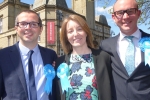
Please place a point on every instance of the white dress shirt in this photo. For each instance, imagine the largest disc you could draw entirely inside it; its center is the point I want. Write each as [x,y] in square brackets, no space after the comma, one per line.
[37,61]
[122,45]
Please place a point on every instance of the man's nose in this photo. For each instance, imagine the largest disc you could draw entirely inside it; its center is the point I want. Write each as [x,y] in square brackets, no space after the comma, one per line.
[28,25]
[125,15]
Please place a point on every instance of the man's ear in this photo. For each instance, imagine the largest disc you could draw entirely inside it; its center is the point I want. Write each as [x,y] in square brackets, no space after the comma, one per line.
[139,13]
[16,28]
[113,17]
[41,30]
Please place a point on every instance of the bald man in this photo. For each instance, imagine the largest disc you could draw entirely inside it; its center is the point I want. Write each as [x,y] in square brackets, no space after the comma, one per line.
[130,74]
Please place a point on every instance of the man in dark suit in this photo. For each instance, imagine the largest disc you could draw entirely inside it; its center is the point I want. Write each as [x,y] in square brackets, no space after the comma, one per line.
[15,72]
[133,84]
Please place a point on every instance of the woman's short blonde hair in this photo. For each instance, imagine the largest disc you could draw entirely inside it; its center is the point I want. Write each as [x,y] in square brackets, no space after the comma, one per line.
[67,47]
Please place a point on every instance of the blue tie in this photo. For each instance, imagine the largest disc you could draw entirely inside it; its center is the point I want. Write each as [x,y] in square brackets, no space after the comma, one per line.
[32,88]
[130,56]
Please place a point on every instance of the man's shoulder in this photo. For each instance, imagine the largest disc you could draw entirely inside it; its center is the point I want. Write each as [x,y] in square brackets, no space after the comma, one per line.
[144,34]
[46,49]
[143,31]
[4,52]
[112,38]
[109,41]
[7,48]
[47,52]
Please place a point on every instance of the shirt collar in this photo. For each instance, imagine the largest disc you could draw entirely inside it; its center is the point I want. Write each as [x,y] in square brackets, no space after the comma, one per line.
[136,34]
[24,50]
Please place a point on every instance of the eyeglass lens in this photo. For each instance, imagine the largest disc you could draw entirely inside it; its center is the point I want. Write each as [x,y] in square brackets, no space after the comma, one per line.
[120,13]
[31,24]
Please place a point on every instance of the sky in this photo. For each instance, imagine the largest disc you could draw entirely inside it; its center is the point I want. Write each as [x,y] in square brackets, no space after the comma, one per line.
[99,11]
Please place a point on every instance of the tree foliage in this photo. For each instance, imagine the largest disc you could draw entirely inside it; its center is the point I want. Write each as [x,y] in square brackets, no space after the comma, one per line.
[144,6]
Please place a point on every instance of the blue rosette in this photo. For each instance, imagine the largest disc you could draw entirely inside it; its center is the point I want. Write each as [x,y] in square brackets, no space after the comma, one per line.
[50,74]
[144,45]
[62,73]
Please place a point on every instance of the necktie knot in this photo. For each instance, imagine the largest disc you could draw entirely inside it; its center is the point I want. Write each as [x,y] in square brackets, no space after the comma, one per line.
[129,38]
[31,52]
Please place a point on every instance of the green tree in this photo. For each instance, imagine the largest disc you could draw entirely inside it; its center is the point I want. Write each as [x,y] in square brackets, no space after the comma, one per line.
[144,6]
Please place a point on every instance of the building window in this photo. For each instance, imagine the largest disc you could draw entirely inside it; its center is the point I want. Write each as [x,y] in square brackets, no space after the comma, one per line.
[1,25]
[96,27]
[108,31]
[105,30]
[14,38]
[100,29]
[9,39]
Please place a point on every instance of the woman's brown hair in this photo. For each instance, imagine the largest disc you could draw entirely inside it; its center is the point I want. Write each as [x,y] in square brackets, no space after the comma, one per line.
[67,47]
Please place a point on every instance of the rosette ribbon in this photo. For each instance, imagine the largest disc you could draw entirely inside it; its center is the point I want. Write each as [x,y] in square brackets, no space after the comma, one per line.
[50,74]
[62,73]
[144,45]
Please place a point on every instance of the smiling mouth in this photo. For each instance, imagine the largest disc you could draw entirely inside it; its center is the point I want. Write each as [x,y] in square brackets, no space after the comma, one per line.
[28,35]
[127,23]
[76,40]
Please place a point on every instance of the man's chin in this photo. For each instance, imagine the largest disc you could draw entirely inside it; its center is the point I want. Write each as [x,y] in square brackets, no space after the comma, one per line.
[126,28]
[127,31]
[28,40]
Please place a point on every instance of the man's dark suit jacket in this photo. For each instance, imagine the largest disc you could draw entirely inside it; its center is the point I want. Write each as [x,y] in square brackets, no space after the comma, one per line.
[12,78]
[101,64]
[124,87]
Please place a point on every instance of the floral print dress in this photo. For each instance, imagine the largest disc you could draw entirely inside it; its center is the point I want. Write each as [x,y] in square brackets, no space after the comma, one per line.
[82,78]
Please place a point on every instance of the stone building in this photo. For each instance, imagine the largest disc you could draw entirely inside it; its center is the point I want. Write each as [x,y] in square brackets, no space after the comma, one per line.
[52,13]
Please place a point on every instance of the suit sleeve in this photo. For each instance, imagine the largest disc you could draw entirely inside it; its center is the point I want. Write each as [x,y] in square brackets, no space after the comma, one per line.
[55,56]
[1,78]
[103,74]
[1,84]
[101,45]
[57,93]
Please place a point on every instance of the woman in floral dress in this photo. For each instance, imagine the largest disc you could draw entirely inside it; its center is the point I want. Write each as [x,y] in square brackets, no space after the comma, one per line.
[83,73]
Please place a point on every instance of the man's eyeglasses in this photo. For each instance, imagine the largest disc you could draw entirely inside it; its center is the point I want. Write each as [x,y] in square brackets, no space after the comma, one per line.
[120,13]
[31,24]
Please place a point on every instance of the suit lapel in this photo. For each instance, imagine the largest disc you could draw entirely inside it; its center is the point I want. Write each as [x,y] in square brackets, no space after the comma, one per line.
[46,56]
[119,67]
[43,55]
[17,64]
[143,35]
[141,67]
[142,53]
[46,60]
